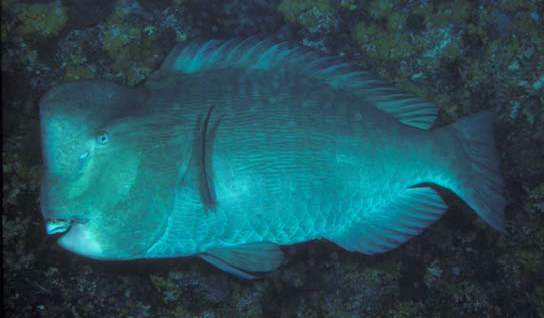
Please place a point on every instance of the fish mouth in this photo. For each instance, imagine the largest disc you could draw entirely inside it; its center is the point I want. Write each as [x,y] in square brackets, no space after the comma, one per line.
[55,226]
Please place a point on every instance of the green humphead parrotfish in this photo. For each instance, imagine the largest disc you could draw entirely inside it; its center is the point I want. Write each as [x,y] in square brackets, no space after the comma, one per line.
[234,148]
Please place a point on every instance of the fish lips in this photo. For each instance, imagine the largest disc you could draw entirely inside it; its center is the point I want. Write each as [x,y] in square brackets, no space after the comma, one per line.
[81,240]
[61,225]
[55,226]
[75,233]
[76,237]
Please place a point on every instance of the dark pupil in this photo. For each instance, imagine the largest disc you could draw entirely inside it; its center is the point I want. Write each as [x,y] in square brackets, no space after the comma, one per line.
[103,138]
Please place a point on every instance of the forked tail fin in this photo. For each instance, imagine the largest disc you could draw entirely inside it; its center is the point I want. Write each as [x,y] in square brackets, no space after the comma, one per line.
[485,186]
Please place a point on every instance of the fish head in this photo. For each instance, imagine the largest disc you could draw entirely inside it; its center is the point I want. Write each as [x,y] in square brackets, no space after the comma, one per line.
[92,159]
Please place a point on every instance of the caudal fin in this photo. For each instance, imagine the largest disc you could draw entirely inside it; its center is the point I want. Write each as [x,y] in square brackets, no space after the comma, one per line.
[484,188]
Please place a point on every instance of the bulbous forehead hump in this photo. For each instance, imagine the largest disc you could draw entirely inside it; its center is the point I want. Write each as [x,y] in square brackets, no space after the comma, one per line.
[84,97]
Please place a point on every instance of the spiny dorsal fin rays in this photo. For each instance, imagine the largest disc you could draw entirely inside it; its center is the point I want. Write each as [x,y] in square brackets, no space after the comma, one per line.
[254,53]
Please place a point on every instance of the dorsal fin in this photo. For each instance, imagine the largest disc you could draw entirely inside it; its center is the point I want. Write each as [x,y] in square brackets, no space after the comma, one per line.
[254,53]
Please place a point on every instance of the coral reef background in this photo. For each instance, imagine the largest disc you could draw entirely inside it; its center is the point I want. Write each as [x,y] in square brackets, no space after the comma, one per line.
[463,55]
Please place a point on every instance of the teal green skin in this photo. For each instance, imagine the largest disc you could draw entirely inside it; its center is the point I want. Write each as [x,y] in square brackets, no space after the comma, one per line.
[287,159]
[294,160]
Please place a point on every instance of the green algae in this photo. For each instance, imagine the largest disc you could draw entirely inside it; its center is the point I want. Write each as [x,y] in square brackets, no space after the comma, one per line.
[308,13]
[406,309]
[443,14]
[75,72]
[43,19]
[132,48]
[386,36]
[384,43]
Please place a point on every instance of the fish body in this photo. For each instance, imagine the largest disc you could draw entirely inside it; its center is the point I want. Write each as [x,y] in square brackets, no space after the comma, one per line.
[234,148]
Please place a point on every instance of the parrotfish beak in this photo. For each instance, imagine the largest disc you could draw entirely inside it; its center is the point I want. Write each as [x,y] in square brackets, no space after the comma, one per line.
[57,226]
[80,240]
[76,236]
[52,225]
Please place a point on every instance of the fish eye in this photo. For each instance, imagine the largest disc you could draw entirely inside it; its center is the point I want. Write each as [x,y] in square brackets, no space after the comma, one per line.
[103,137]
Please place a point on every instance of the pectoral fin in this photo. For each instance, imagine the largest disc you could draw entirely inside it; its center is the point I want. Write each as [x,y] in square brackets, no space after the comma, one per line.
[198,174]
[240,259]
[202,160]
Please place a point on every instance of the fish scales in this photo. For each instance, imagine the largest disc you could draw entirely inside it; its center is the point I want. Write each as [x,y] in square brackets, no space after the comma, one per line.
[236,147]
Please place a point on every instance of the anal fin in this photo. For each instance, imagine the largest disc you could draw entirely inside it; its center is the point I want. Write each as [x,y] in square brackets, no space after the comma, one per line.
[395,223]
